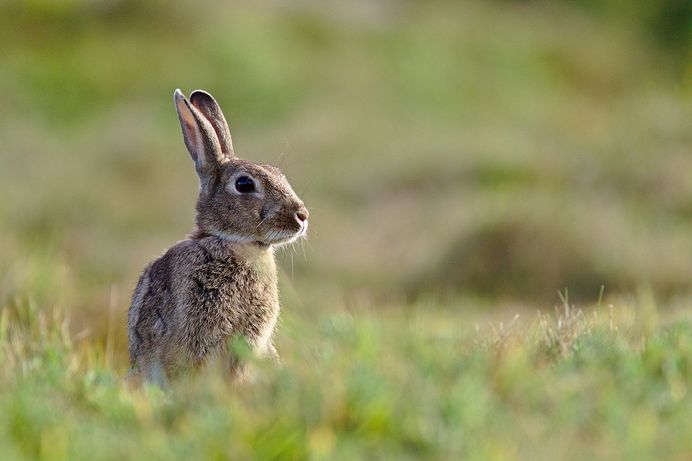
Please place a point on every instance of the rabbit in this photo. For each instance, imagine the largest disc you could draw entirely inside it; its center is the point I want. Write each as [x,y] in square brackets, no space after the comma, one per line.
[221,282]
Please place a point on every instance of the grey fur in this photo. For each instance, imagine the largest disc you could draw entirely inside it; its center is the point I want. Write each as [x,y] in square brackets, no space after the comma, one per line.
[219,283]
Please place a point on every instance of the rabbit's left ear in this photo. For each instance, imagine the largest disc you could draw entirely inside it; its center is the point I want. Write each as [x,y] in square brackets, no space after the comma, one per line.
[200,139]
[211,110]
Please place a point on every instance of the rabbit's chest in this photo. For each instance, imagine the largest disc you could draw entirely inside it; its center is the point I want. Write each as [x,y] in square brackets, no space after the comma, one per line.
[241,297]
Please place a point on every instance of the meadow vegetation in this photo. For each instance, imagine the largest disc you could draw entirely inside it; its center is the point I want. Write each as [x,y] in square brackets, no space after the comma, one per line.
[463,162]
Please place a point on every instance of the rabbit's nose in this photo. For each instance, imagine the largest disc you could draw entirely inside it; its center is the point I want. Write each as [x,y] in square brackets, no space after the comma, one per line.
[302,215]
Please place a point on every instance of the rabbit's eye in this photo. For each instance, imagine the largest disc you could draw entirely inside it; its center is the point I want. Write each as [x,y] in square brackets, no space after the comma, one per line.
[245,185]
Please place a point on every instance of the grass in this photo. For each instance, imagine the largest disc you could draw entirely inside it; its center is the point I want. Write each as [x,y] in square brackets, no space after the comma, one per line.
[600,383]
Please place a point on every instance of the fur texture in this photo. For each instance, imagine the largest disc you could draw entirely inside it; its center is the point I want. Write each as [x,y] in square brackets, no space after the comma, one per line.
[221,282]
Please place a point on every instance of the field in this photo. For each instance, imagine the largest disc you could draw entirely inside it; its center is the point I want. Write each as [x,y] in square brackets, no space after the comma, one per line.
[602,383]
[499,262]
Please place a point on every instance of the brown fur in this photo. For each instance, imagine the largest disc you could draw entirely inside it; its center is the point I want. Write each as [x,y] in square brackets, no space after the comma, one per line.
[221,282]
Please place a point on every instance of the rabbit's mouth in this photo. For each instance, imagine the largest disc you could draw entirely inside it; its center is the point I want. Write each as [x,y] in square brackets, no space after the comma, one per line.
[284,237]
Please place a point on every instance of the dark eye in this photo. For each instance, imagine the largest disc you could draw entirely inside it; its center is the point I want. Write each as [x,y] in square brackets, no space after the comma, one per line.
[245,185]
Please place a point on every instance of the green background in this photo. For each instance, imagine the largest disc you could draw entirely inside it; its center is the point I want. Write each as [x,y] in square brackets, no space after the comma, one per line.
[462,162]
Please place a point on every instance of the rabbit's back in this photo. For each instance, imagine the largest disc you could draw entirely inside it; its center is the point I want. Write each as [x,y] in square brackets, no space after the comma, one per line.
[190,301]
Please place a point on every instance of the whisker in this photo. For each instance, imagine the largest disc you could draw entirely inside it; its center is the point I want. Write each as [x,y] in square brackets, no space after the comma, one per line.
[302,246]
[280,159]
[305,189]
[260,223]
[309,244]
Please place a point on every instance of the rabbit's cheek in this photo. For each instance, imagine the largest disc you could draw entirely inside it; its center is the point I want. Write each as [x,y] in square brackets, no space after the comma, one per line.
[268,212]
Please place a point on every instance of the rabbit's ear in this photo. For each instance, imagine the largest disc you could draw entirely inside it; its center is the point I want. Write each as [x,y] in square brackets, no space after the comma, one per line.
[200,137]
[208,106]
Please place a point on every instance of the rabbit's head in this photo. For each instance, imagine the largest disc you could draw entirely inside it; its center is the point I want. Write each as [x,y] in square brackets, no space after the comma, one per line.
[239,201]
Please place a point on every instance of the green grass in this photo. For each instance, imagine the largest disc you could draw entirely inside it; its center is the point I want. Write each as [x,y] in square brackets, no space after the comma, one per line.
[603,383]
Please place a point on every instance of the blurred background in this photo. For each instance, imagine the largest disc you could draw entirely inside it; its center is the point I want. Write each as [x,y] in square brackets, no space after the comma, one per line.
[466,154]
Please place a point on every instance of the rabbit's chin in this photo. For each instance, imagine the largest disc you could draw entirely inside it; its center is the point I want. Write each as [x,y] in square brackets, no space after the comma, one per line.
[271,238]
[282,237]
